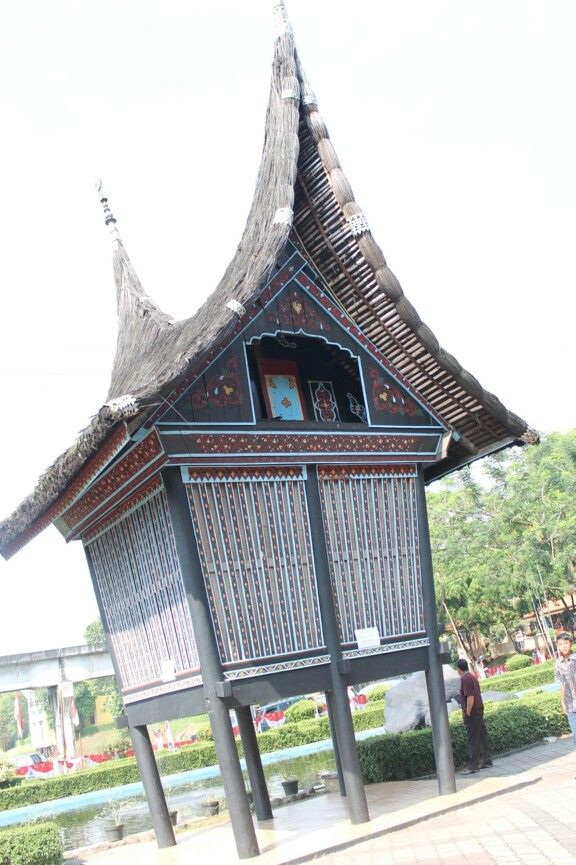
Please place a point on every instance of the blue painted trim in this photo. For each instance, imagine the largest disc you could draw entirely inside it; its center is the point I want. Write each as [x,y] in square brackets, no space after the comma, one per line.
[308,455]
[139,435]
[426,431]
[211,480]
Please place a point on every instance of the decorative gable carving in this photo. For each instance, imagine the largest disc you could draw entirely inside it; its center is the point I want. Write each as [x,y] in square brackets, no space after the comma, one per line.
[291,311]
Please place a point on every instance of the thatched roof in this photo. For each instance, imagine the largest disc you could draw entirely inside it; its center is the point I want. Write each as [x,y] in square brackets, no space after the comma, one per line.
[301,193]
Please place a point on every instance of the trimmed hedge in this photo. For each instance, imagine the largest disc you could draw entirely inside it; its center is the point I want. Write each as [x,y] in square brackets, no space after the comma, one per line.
[378,693]
[301,711]
[118,772]
[518,662]
[100,778]
[395,757]
[521,680]
[37,844]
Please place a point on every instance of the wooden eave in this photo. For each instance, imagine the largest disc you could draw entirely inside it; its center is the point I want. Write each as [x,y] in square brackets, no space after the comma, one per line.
[355,270]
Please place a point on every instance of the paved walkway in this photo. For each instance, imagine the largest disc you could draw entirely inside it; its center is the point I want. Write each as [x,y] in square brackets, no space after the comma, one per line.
[521,811]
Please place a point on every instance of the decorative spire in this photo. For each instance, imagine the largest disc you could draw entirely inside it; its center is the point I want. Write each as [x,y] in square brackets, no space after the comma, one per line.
[109,218]
[281,18]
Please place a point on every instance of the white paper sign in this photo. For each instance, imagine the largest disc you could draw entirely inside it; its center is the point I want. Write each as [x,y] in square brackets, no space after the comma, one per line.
[367,638]
[168,668]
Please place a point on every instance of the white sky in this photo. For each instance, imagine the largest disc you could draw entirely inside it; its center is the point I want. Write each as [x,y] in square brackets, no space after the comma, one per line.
[453,120]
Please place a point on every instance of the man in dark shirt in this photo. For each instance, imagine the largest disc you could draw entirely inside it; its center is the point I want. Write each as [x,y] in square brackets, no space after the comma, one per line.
[473,714]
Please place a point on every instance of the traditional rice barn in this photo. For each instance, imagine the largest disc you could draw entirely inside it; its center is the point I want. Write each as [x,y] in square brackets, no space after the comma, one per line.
[251,495]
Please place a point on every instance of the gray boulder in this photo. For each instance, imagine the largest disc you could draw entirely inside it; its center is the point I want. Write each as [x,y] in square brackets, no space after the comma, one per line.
[406,703]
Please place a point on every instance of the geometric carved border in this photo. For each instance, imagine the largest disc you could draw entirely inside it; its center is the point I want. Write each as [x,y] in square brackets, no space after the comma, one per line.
[387,648]
[281,667]
[158,690]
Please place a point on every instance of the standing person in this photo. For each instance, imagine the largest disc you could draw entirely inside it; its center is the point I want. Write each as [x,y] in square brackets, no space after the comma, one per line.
[473,714]
[566,675]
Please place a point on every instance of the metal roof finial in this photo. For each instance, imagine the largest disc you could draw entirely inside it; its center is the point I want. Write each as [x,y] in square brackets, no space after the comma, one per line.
[109,218]
[281,18]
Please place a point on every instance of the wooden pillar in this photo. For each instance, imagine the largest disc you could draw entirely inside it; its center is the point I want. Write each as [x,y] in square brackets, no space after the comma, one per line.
[150,775]
[441,738]
[337,761]
[342,716]
[262,806]
[210,665]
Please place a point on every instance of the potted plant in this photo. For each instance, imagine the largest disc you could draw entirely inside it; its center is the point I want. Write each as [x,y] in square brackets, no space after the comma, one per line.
[290,785]
[210,806]
[112,813]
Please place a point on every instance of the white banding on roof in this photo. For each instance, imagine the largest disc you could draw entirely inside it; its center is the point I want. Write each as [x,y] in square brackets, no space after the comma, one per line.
[357,223]
[283,216]
[236,307]
[308,96]
[125,405]
[290,93]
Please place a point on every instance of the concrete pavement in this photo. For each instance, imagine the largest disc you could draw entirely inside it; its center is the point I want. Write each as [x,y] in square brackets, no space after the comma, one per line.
[521,811]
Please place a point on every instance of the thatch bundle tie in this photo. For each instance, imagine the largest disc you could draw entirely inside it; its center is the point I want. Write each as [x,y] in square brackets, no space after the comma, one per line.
[290,93]
[283,216]
[308,95]
[358,224]
[123,405]
[236,307]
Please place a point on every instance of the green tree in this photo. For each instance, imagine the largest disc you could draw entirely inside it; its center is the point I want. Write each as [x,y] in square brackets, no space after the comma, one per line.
[537,521]
[500,548]
[94,633]
[8,729]
[461,527]
[85,693]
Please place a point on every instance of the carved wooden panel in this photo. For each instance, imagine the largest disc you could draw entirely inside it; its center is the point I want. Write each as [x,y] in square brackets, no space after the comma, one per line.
[254,538]
[139,581]
[372,536]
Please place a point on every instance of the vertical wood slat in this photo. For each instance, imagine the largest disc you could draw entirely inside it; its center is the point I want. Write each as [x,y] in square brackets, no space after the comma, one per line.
[372,536]
[253,539]
[143,595]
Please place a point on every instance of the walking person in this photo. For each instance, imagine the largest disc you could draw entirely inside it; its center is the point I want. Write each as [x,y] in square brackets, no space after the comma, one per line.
[566,675]
[473,714]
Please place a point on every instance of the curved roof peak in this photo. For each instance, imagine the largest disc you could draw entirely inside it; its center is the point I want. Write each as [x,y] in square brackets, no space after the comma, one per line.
[140,320]
[281,18]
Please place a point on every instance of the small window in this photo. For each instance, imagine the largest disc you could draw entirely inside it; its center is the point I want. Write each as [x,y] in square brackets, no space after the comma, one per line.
[297,378]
